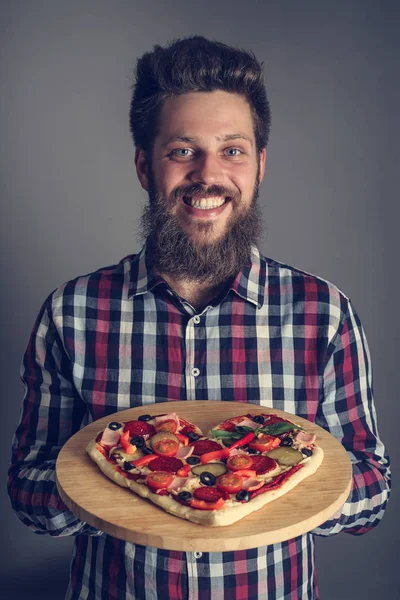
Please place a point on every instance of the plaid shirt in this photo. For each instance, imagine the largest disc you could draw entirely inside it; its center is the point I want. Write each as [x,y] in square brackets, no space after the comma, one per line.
[120,338]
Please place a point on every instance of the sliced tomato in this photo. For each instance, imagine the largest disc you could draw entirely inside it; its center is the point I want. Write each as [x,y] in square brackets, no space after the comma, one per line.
[159,480]
[166,447]
[239,461]
[168,425]
[265,443]
[207,493]
[229,482]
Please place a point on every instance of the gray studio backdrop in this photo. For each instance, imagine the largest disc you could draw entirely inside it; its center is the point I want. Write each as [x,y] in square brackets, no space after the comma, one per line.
[71,202]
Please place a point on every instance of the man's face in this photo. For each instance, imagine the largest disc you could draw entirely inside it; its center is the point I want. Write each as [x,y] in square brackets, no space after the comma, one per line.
[205,170]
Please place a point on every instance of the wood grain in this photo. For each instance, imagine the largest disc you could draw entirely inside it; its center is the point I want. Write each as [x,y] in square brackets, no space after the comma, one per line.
[121,513]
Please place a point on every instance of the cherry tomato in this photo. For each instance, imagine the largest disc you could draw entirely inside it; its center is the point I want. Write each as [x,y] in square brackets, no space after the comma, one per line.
[237,462]
[159,480]
[166,447]
[168,425]
[229,482]
[265,443]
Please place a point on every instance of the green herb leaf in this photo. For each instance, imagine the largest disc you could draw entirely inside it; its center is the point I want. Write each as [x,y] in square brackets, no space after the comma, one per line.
[278,428]
[243,429]
[220,433]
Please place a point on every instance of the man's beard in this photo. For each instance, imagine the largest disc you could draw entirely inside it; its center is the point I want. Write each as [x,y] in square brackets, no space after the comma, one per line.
[172,252]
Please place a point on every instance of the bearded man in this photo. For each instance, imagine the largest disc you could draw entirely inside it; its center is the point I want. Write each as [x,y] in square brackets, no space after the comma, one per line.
[198,314]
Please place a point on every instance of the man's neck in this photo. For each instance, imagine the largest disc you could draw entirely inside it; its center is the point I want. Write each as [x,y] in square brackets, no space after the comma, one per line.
[198,294]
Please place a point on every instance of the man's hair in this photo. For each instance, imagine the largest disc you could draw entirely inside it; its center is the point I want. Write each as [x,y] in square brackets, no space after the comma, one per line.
[195,64]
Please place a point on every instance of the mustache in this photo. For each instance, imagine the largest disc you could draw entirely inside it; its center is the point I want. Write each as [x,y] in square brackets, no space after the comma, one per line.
[198,190]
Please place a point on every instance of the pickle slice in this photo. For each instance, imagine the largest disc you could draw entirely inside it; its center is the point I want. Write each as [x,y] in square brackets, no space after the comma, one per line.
[216,469]
[286,456]
[118,453]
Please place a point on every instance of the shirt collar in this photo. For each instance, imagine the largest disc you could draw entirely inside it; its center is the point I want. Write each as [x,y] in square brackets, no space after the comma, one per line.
[249,283]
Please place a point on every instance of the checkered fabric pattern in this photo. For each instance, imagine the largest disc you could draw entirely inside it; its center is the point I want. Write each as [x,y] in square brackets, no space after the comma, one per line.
[121,338]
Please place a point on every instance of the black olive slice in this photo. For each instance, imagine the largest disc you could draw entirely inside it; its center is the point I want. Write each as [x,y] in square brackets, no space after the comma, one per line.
[114,426]
[128,466]
[287,441]
[193,460]
[138,441]
[193,436]
[145,418]
[185,496]
[207,478]
[146,450]
[243,496]
[307,451]
[258,419]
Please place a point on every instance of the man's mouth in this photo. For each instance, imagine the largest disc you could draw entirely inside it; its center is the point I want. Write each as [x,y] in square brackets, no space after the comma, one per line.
[205,203]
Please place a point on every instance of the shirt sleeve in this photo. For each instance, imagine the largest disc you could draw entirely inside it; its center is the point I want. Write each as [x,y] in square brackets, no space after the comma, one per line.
[51,412]
[347,411]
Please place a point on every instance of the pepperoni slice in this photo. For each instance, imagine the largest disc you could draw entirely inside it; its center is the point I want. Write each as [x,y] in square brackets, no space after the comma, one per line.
[208,494]
[165,463]
[263,464]
[186,426]
[139,428]
[275,483]
[204,446]
[230,424]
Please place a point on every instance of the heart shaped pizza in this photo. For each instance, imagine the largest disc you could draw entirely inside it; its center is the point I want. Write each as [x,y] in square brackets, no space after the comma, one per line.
[216,479]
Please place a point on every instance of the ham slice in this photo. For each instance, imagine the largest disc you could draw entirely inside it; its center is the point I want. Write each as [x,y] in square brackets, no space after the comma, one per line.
[170,417]
[305,438]
[250,483]
[177,483]
[246,422]
[184,451]
[110,438]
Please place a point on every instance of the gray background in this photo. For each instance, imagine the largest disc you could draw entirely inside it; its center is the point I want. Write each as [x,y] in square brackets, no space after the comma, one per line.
[71,201]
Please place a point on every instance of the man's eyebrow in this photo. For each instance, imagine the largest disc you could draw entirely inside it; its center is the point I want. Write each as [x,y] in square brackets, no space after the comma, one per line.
[235,136]
[224,138]
[179,138]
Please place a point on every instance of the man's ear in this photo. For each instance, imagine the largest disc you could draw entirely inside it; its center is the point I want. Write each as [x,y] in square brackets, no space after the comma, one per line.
[142,168]
[263,156]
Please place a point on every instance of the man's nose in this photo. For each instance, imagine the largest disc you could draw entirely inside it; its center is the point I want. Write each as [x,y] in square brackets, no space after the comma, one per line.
[206,170]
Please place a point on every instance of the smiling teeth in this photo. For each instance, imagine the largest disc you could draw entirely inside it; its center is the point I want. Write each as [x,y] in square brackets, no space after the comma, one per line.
[207,203]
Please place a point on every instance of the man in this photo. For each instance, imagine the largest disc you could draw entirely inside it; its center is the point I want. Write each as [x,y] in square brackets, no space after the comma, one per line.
[198,314]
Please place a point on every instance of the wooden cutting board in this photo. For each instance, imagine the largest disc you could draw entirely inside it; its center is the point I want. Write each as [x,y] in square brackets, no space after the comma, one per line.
[121,513]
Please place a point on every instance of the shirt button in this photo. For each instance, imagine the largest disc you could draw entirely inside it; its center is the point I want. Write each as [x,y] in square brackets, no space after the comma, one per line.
[196,319]
[195,372]
[197,554]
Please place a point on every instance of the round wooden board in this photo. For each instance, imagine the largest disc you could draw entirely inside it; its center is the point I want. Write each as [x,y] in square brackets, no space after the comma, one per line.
[121,513]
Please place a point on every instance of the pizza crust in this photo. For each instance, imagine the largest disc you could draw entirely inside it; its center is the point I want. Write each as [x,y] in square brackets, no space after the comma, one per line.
[225,516]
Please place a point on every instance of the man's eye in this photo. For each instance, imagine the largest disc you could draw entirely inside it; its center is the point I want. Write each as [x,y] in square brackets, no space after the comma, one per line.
[233,152]
[181,152]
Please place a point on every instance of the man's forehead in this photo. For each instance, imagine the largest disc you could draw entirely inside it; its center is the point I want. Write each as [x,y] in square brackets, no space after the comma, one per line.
[219,138]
